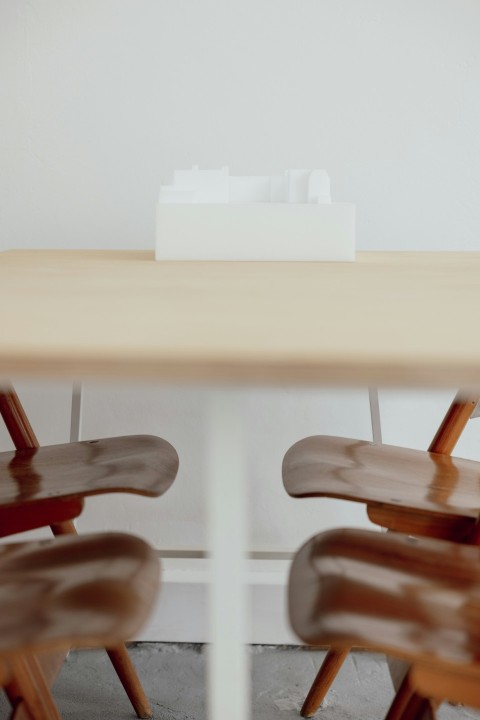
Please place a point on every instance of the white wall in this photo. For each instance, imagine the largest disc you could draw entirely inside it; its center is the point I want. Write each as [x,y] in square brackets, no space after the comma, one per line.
[101,99]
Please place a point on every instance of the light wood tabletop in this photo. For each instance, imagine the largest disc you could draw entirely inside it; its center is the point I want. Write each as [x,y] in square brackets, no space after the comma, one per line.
[388,318]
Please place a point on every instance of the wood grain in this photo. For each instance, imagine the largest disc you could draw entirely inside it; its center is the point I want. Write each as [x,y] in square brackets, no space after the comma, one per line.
[93,590]
[361,471]
[140,464]
[416,598]
[76,591]
[84,313]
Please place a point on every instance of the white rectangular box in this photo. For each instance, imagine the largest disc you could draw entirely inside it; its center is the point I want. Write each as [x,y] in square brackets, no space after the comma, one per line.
[263,231]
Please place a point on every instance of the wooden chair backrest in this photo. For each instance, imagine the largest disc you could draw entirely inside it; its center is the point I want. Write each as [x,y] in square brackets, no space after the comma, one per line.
[23,438]
[453,424]
[16,420]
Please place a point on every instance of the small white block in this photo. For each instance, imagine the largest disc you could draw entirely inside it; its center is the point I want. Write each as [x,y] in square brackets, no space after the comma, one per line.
[264,231]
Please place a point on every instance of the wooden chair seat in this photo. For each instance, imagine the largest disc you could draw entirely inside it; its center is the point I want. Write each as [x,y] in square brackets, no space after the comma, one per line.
[324,466]
[415,598]
[46,485]
[94,590]
[140,464]
[74,591]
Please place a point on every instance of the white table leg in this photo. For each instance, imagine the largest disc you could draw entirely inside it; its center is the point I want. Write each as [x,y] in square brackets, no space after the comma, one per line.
[76,412]
[228,667]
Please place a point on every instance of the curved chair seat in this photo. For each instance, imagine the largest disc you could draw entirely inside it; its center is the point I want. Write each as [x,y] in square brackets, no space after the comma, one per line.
[77,591]
[95,590]
[324,466]
[415,598]
[140,464]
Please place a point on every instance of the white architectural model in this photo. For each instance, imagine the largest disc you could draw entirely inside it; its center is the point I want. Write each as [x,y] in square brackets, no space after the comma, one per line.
[218,186]
[210,215]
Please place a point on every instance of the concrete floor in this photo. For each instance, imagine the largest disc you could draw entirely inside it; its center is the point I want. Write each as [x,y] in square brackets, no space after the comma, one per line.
[174,678]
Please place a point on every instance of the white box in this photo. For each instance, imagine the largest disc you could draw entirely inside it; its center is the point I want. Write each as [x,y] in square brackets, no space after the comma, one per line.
[258,231]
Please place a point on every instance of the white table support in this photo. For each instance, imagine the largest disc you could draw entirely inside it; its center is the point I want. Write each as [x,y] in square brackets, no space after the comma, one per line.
[76,412]
[375,416]
[228,667]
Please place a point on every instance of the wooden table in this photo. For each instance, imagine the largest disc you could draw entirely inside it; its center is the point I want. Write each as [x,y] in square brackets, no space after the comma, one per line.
[395,319]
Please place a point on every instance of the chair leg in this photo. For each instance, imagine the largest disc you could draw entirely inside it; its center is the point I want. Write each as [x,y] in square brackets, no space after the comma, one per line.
[325,677]
[401,700]
[50,665]
[126,672]
[408,704]
[119,656]
[29,687]
[420,708]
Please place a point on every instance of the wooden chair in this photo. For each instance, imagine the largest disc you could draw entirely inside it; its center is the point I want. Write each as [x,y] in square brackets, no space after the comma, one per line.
[93,591]
[416,492]
[47,486]
[414,598]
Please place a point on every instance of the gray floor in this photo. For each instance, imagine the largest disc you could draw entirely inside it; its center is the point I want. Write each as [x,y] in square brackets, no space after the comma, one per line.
[173,676]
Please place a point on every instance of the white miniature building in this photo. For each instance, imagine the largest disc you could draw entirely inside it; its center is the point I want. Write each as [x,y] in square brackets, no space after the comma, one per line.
[218,186]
